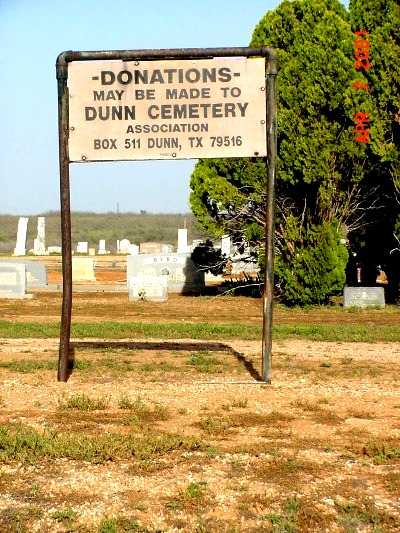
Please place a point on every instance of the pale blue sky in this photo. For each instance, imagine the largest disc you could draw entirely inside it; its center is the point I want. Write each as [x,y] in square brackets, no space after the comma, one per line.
[33,33]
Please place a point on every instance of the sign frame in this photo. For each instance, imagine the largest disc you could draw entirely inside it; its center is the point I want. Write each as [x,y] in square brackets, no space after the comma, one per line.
[62,67]
[167,109]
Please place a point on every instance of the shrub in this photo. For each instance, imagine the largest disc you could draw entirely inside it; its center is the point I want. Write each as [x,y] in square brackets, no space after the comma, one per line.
[312,266]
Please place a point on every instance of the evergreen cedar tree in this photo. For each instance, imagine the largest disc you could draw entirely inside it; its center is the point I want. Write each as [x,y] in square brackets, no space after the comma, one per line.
[329,186]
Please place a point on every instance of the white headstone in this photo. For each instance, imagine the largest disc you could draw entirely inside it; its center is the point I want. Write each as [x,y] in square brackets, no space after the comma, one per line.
[363,297]
[181,273]
[183,247]
[20,247]
[124,245]
[36,273]
[134,249]
[39,244]
[54,250]
[82,248]
[226,245]
[102,247]
[148,288]
[197,242]
[167,249]
[83,269]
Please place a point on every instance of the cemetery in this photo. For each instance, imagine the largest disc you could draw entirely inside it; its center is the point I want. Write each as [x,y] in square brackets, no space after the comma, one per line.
[165,409]
[95,268]
[167,404]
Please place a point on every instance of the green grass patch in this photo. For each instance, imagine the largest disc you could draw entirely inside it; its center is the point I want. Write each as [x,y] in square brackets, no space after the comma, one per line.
[83,402]
[334,333]
[17,519]
[353,517]
[64,515]
[162,366]
[117,524]
[194,492]
[26,445]
[214,425]
[117,365]
[205,331]
[141,412]
[204,362]
[25,366]
[381,451]
[285,521]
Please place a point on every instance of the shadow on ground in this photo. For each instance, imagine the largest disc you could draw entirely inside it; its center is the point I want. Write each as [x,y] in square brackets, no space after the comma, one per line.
[160,345]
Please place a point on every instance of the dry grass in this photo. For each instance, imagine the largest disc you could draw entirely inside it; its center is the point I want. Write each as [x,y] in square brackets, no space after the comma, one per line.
[119,450]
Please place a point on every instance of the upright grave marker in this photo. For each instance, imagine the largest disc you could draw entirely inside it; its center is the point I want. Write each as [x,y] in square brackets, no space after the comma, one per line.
[178,269]
[35,273]
[20,246]
[13,280]
[83,269]
[166,104]
[39,244]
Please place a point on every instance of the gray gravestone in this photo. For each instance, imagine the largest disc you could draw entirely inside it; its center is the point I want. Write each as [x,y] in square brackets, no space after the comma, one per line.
[13,280]
[363,297]
[148,288]
[36,273]
[181,273]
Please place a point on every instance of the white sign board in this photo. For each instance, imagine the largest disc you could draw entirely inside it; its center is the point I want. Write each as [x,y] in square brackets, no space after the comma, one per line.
[168,109]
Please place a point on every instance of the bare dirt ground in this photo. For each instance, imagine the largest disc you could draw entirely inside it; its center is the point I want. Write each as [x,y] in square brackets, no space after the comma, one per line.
[209,449]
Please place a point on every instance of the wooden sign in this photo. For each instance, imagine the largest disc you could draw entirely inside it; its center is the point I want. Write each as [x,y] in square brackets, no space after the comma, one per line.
[168,109]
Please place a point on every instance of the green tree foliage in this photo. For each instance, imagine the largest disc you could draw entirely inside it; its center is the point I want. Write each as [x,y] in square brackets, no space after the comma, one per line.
[381,19]
[208,258]
[228,195]
[325,178]
[320,166]
[314,268]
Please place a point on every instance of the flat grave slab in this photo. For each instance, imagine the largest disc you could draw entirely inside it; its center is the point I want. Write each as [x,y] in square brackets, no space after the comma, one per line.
[363,297]
[148,288]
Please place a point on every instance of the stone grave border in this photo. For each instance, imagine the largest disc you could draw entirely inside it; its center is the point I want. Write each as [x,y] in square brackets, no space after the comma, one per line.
[63,61]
